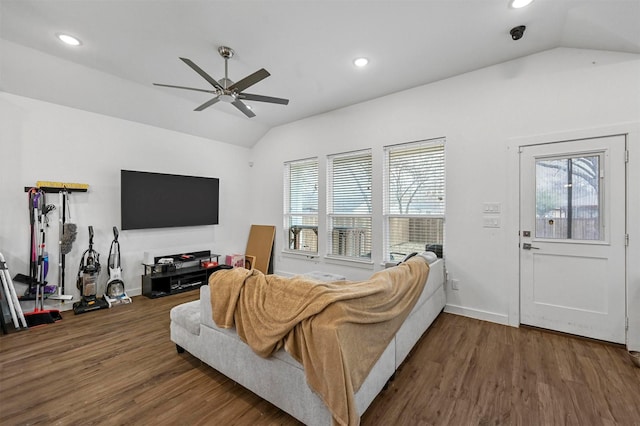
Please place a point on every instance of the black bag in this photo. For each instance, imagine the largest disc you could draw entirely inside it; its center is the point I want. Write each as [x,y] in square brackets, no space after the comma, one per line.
[436,248]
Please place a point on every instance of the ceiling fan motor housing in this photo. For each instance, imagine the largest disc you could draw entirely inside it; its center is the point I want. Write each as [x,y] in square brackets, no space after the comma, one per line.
[225,82]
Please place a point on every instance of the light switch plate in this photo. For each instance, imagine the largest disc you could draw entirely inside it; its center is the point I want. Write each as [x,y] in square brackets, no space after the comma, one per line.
[491,222]
[491,208]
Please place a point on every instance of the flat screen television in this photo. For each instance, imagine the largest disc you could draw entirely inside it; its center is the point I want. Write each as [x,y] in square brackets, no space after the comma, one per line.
[159,200]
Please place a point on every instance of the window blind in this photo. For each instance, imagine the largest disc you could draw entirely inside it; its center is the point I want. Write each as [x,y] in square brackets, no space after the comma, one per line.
[350,183]
[301,205]
[414,197]
[349,204]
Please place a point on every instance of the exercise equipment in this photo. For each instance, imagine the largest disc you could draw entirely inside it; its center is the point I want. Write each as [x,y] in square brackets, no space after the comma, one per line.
[11,297]
[66,236]
[87,282]
[115,293]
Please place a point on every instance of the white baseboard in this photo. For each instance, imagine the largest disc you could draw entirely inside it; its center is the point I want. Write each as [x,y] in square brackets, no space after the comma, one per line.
[134,292]
[477,314]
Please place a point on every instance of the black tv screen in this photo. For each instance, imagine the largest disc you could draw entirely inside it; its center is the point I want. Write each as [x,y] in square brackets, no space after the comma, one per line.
[158,200]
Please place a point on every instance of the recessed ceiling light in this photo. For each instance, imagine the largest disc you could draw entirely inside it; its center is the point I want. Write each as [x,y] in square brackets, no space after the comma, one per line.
[517,4]
[360,62]
[68,39]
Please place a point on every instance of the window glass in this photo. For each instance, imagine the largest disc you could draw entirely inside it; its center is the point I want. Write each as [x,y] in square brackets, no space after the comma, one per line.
[568,198]
[414,197]
[349,205]
[301,205]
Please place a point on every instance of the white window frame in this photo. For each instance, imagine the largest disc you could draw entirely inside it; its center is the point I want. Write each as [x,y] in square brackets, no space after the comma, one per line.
[352,242]
[388,215]
[308,221]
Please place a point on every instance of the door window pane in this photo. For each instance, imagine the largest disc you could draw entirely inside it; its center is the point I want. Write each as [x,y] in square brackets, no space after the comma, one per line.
[568,198]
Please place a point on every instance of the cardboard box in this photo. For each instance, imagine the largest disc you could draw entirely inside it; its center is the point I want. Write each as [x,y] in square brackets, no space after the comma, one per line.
[249,261]
[235,260]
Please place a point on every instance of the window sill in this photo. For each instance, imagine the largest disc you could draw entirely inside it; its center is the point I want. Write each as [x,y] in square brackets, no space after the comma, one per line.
[335,260]
[389,263]
[299,255]
[355,263]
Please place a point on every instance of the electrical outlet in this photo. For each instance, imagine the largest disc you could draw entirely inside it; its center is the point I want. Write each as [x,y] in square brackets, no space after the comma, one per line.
[455,284]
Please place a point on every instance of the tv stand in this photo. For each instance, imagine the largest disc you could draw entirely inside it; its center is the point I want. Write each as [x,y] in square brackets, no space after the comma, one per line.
[185,273]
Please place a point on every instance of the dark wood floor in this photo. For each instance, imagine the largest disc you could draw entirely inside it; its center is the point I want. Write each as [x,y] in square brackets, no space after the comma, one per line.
[118,366]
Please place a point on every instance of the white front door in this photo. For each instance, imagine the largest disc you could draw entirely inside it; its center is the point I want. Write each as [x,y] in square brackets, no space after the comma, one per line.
[572,237]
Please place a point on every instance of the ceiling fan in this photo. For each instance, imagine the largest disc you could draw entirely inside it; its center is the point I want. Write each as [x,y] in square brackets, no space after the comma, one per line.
[226,90]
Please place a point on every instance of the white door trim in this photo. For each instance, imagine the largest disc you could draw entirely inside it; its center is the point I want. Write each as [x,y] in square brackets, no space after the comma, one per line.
[512,226]
[589,297]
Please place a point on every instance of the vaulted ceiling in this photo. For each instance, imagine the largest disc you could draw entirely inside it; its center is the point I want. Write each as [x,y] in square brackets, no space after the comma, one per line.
[308,46]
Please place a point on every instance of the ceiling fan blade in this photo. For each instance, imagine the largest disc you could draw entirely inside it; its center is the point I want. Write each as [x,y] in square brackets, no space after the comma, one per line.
[260,98]
[182,87]
[242,107]
[208,103]
[250,80]
[203,74]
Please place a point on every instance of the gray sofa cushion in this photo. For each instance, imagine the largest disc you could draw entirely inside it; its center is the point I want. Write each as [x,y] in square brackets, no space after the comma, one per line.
[187,315]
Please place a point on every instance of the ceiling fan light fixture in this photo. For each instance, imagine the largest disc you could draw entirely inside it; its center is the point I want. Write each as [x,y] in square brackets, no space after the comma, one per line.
[517,4]
[69,39]
[360,62]
[228,97]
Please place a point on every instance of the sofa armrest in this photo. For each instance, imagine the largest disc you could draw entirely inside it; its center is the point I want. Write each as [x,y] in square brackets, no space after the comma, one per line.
[206,314]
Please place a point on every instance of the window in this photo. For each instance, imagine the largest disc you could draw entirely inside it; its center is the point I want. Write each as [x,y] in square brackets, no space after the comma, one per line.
[413,197]
[568,198]
[301,205]
[349,205]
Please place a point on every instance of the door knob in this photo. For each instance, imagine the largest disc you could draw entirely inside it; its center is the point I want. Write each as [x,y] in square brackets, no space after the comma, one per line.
[528,246]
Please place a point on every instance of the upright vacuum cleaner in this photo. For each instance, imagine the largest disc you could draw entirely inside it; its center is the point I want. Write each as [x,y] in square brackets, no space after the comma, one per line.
[87,283]
[115,293]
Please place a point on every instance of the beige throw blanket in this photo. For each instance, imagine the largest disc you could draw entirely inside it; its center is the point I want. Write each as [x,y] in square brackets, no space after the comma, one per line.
[336,330]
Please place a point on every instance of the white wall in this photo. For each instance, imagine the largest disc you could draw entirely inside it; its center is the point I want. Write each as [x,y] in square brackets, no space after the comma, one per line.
[44,141]
[67,83]
[480,114]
